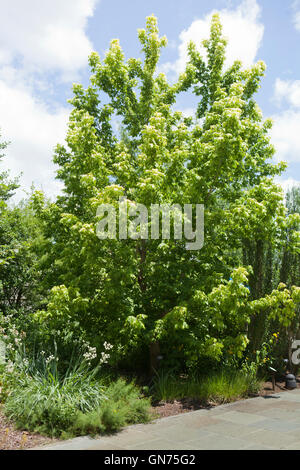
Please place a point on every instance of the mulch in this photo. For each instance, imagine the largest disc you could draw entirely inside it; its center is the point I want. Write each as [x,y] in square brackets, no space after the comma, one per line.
[14,439]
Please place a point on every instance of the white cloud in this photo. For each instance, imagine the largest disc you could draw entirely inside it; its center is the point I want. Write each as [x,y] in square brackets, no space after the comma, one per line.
[46,35]
[288,90]
[33,132]
[41,41]
[287,184]
[296,20]
[241,27]
[188,112]
[285,132]
[286,136]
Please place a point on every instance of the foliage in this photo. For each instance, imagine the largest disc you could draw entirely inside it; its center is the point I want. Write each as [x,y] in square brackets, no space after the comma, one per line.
[38,398]
[15,261]
[151,297]
[290,266]
[7,187]
[42,400]
[124,406]
[218,386]
[210,317]
[19,276]
[40,394]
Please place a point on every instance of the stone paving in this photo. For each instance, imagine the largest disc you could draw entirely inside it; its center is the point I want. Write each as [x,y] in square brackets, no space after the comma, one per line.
[262,423]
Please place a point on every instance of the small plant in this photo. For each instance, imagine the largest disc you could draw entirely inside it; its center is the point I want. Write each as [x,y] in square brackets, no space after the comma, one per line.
[124,406]
[43,400]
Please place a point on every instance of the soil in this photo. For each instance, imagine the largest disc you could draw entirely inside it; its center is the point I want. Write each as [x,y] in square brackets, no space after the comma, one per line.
[13,439]
[164,409]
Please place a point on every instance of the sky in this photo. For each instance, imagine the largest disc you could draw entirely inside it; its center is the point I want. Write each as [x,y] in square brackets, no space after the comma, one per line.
[44,49]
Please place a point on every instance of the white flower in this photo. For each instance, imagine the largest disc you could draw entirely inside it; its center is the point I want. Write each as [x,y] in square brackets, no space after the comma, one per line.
[107,346]
[9,367]
[90,354]
[50,358]
[104,358]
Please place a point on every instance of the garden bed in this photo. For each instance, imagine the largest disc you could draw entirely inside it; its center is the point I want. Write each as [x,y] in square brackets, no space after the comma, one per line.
[163,409]
[14,439]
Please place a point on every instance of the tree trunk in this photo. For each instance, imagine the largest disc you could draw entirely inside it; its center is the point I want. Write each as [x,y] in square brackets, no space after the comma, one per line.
[154,347]
[258,269]
[257,326]
[154,352]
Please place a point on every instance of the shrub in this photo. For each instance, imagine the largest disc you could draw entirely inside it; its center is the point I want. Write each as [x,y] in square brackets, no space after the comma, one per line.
[42,400]
[123,406]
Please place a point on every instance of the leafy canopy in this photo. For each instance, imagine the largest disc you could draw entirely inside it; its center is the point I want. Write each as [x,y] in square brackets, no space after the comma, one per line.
[137,293]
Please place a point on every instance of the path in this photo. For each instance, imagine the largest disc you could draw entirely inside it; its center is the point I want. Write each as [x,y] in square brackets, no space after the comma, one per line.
[271,422]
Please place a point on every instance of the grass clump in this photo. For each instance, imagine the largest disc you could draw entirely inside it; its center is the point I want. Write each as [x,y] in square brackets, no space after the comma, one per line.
[219,387]
[45,402]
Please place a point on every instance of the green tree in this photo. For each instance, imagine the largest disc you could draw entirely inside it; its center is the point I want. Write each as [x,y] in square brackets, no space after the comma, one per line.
[138,294]
[290,266]
[289,263]
[18,233]
[7,187]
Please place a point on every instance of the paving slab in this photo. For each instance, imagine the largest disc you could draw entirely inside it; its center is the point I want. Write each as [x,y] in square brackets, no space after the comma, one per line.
[294,446]
[230,429]
[266,423]
[274,439]
[281,414]
[241,418]
[280,425]
[160,444]
[217,442]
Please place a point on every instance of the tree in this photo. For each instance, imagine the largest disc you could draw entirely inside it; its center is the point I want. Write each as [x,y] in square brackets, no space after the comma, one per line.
[19,236]
[289,261]
[290,266]
[138,294]
[6,187]
[18,232]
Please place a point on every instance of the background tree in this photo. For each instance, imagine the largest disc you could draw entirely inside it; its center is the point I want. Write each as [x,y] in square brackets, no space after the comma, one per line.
[19,230]
[7,186]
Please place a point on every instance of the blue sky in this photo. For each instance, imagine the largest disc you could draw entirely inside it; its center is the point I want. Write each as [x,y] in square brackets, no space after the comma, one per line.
[44,48]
